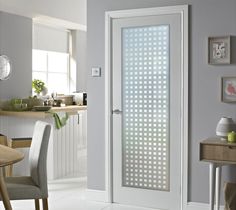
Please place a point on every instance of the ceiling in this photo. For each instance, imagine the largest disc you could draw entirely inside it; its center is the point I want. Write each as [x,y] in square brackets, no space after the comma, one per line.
[71,15]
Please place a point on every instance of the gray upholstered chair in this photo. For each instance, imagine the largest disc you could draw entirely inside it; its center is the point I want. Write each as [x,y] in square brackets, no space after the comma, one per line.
[35,185]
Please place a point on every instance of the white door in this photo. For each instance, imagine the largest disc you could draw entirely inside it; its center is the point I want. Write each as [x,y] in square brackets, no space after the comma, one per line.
[146,103]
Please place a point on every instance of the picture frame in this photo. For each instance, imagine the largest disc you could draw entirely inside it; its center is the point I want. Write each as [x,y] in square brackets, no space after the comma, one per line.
[219,50]
[228,89]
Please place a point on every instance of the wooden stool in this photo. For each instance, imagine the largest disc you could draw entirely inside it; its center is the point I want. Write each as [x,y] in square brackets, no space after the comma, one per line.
[17,143]
[3,140]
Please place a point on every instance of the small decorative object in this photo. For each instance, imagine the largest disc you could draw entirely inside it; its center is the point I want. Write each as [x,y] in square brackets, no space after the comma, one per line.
[232,137]
[224,126]
[219,51]
[38,86]
[228,89]
[44,91]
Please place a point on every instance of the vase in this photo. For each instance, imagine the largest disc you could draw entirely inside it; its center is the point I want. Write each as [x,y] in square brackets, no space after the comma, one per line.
[44,91]
[224,126]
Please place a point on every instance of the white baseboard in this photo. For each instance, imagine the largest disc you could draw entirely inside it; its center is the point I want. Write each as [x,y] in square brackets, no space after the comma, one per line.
[97,195]
[199,206]
[101,196]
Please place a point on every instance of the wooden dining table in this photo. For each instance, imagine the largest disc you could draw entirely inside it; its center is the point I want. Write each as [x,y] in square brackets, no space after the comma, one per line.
[8,156]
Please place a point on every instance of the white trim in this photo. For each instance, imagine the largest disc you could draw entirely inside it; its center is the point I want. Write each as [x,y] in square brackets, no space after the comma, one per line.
[58,23]
[122,206]
[199,206]
[183,11]
[108,150]
[180,9]
[96,195]
[184,146]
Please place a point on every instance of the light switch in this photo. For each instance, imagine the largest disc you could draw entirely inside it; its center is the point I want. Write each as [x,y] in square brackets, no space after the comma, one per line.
[96,72]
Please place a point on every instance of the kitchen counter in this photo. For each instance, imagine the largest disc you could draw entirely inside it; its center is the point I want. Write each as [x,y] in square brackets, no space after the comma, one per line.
[71,110]
[66,147]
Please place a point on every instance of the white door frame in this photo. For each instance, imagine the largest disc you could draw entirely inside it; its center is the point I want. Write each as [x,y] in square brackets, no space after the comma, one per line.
[109,16]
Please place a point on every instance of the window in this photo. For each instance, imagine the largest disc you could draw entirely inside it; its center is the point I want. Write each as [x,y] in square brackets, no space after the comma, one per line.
[52,68]
[53,58]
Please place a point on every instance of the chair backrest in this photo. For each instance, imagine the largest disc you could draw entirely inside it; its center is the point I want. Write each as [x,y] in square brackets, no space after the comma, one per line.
[38,155]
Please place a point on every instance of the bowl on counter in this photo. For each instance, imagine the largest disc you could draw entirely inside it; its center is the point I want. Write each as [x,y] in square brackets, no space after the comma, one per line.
[32,102]
[42,108]
[25,104]
[20,107]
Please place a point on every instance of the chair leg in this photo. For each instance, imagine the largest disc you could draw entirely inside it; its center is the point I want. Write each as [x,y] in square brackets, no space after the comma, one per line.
[8,170]
[45,204]
[36,202]
[3,192]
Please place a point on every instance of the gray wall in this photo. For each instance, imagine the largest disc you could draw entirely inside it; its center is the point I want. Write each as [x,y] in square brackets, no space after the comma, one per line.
[16,43]
[207,18]
[81,58]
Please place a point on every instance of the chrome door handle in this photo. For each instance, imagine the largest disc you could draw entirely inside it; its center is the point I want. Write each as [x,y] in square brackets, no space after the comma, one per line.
[116,111]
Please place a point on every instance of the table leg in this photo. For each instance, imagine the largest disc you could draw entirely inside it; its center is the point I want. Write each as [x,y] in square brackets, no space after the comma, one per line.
[3,192]
[218,185]
[212,176]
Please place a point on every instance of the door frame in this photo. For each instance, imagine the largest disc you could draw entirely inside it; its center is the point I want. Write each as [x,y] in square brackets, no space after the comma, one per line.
[182,10]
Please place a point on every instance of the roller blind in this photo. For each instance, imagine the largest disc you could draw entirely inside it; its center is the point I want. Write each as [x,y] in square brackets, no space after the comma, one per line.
[50,39]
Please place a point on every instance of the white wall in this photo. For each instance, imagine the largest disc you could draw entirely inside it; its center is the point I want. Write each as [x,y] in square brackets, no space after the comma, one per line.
[70,10]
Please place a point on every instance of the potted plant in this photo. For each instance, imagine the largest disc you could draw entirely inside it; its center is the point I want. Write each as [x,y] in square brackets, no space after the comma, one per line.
[38,86]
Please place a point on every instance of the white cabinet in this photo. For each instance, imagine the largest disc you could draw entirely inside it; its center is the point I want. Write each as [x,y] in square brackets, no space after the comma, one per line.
[67,152]
[69,148]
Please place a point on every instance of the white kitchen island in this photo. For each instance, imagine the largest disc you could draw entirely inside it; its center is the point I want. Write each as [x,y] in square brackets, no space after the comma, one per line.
[67,146]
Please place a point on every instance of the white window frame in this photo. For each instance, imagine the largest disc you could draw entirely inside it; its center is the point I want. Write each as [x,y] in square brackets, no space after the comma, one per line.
[47,68]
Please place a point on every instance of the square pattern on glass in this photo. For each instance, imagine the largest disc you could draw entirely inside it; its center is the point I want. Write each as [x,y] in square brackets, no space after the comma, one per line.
[145,140]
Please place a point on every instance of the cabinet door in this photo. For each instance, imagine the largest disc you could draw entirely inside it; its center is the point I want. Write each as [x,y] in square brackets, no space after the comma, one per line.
[70,147]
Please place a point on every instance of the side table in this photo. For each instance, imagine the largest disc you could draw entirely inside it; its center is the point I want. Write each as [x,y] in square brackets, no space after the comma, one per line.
[217,153]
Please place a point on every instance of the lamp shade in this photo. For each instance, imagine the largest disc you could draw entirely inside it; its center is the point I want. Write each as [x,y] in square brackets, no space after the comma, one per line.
[224,126]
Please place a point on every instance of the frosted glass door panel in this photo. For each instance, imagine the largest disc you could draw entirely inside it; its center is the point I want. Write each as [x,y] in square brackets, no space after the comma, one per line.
[146,107]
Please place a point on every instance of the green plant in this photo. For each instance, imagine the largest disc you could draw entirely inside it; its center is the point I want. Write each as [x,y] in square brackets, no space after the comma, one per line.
[38,85]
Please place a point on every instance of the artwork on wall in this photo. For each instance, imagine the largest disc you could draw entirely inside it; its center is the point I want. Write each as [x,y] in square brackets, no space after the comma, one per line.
[219,50]
[228,89]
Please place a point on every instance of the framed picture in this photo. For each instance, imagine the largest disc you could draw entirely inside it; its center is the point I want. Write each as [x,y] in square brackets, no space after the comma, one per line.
[228,89]
[219,51]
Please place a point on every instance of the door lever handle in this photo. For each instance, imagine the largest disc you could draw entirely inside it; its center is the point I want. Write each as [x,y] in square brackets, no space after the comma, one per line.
[116,111]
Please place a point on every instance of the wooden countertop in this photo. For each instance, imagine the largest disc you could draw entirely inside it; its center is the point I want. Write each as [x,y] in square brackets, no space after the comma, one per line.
[71,110]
